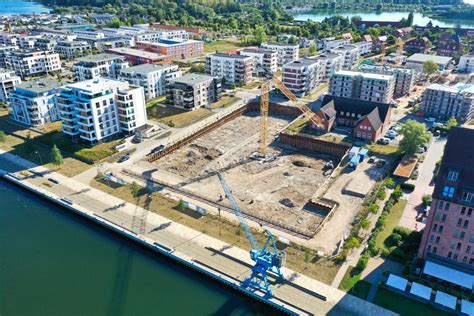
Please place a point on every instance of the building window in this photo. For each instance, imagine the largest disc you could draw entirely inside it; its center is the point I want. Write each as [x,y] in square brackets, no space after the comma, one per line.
[468,249]
[463,234]
[448,191]
[435,227]
[440,204]
[431,237]
[466,223]
[471,261]
[467,196]
[446,207]
[464,259]
[455,256]
[437,240]
[435,249]
[456,233]
[471,239]
[443,219]
[469,212]
[441,227]
[450,254]
[452,244]
[453,175]
[459,221]
[429,248]
[458,246]
[463,210]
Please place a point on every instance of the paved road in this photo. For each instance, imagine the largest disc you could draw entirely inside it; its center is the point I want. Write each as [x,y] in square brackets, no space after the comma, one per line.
[422,185]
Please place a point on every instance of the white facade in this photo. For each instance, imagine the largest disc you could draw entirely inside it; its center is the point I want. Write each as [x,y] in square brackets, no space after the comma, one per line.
[331,42]
[303,75]
[466,63]
[152,78]
[330,64]
[96,66]
[232,68]
[9,39]
[72,50]
[8,81]
[33,63]
[449,101]
[101,109]
[350,53]
[262,58]
[33,102]
[286,52]
[364,47]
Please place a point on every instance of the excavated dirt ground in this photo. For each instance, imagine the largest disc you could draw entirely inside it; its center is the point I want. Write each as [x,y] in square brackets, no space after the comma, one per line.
[275,190]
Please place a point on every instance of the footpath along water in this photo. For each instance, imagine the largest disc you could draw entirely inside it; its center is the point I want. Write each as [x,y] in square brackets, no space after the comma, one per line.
[54,263]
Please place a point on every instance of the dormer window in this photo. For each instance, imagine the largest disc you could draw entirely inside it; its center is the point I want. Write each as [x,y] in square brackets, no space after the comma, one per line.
[448,191]
[467,196]
[453,175]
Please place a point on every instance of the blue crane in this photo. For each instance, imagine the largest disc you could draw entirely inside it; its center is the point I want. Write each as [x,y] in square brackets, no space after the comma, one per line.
[266,258]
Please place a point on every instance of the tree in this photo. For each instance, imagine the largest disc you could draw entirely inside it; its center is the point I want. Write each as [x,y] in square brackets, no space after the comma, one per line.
[135,188]
[260,35]
[56,156]
[414,135]
[352,242]
[426,200]
[312,49]
[409,21]
[430,67]
[452,122]
[3,137]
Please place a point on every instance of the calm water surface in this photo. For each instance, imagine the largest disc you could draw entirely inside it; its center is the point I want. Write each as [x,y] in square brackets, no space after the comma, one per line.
[52,263]
[21,7]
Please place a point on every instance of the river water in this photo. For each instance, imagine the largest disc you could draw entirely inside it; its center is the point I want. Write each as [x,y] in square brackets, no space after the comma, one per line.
[21,7]
[418,18]
[55,263]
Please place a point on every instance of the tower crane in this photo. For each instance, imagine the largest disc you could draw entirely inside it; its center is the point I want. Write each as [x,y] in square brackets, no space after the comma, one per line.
[268,80]
[266,258]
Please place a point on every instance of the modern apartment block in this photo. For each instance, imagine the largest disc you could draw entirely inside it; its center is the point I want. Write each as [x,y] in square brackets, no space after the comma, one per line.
[364,86]
[232,68]
[152,78]
[33,102]
[350,53]
[72,49]
[466,63]
[447,245]
[262,59]
[302,75]
[9,39]
[8,81]
[5,55]
[364,47]
[137,56]
[99,110]
[404,78]
[330,64]
[101,65]
[174,49]
[329,43]
[28,63]
[193,91]
[286,52]
[449,101]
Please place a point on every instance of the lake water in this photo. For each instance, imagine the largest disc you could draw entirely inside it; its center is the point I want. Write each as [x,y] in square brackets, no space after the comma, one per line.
[418,18]
[21,7]
[54,263]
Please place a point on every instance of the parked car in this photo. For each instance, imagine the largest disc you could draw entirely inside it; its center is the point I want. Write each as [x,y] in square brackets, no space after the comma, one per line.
[136,140]
[124,158]
[437,132]
[53,180]
[396,128]
[381,163]
[383,141]
[391,134]
[371,159]
[157,149]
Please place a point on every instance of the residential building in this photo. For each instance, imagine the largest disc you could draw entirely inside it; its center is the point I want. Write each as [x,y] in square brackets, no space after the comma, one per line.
[329,43]
[449,45]
[28,63]
[449,101]
[72,49]
[100,65]
[193,91]
[404,78]
[232,68]
[33,102]
[286,52]
[403,32]
[364,47]
[303,75]
[306,42]
[174,49]
[98,110]
[137,56]
[350,53]
[5,55]
[446,245]
[466,63]
[193,32]
[8,81]
[152,78]
[27,41]
[262,59]
[416,61]
[9,39]
[330,64]
[379,43]
[48,44]
[368,120]
[417,45]
[364,86]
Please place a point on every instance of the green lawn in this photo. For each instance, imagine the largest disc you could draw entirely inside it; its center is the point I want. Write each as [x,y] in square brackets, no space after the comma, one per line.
[404,305]
[225,101]
[352,284]
[298,125]
[391,222]
[383,149]
[176,117]
[161,99]
[223,45]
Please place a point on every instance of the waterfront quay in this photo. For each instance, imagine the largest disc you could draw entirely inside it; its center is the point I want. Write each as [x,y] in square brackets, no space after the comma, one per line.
[229,265]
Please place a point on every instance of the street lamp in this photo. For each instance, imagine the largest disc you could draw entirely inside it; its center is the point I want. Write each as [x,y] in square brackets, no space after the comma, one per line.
[41,160]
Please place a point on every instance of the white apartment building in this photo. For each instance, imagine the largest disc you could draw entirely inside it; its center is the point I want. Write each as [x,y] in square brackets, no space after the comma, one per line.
[27,41]
[73,49]
[445,101]
[329,43]
[33,102]
[48,44]
[286,52]
[350,53]
[262,59]
[364,47]
[302,75]
[5,55]
[330,64]
[99,110]
[232,68]
[100,65]
[8,81]
[9,39]
[152,78]
[33,63]
[364,86]
[466,63]
[193,91]
[404,78]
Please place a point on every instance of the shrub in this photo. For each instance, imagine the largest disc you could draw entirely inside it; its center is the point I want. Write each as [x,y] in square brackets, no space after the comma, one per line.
[388,206]
[426,200]
[402,231]
[352,242]
[389,183]
[373,208]
[362,263]
[407,186]
[381,194]
[396,238]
